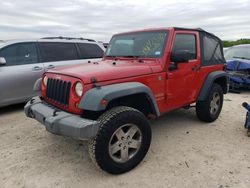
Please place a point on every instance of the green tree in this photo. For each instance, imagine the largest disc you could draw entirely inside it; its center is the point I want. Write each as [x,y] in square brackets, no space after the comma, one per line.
[227,43]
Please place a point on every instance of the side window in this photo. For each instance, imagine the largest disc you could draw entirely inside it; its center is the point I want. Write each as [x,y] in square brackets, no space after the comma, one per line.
[186,42]
[212,50]
[57,51]
[89,51]
[20,54]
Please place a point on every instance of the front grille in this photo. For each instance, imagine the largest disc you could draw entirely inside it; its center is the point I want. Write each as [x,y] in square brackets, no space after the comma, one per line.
[58,91]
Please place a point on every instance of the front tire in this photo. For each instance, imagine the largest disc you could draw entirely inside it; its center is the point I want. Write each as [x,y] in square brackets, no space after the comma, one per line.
[209,109]
[122,141]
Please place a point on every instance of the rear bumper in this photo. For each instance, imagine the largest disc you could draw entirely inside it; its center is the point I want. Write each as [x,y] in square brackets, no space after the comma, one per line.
[60,122]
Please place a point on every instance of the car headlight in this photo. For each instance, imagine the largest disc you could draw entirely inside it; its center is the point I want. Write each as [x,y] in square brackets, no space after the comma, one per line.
[45,80]
[79,89]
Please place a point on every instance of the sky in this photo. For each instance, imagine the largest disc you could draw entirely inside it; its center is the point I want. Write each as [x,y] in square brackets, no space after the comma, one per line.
[100,19]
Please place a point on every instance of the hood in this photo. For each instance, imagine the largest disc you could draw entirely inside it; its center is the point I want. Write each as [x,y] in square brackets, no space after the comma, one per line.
[238,65]
[105,70]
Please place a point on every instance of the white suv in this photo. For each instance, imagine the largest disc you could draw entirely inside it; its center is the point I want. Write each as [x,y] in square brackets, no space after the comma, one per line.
[22,62]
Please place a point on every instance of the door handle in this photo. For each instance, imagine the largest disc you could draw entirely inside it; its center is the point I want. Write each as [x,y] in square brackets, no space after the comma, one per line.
[37,68]
[196,68]
[169,75]
[50,67]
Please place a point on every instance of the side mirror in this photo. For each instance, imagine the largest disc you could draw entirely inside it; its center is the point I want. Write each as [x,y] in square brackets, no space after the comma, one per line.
[180,56]
[2,61]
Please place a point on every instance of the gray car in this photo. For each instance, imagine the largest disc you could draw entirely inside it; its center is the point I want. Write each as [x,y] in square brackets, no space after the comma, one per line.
[22,62]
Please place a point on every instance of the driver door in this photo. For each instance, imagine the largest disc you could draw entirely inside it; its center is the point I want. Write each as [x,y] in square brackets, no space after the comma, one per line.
[182,81]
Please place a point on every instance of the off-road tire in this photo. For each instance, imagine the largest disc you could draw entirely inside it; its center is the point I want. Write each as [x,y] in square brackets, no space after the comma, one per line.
[203,108]
[111,121]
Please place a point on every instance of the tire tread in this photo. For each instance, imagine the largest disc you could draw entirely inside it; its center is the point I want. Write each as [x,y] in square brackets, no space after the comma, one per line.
[104,120]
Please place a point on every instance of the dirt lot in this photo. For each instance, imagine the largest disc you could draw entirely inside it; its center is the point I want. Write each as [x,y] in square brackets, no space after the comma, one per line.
[184,153]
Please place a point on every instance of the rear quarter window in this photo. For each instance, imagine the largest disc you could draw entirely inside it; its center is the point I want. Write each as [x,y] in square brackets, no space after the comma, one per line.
[88,51]
[212,51]
[52,51]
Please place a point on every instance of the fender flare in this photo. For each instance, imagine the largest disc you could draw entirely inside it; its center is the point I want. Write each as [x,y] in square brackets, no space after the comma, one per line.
[209,82]
[91,100]
[37,85]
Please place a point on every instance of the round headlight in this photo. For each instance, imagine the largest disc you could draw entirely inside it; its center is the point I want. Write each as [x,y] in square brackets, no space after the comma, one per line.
[79,89]
[45,80]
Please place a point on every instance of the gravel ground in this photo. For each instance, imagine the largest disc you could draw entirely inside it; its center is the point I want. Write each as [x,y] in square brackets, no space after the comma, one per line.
[184,153]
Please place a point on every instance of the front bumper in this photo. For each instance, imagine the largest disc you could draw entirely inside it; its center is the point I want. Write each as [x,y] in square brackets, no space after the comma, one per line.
[60,122]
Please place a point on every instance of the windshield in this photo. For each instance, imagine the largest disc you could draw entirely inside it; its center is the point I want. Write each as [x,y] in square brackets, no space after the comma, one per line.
[141,44]
[2,43]
[238,53]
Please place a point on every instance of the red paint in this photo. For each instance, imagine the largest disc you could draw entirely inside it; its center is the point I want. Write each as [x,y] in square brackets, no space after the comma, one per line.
[74,99]
[171,89]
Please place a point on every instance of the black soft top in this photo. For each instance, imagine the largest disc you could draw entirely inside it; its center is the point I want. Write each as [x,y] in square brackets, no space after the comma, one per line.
[198,30]
[211,47]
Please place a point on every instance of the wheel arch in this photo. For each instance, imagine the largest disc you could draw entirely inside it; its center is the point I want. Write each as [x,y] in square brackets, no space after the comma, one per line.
[219,77]
[119,93]
[139,101]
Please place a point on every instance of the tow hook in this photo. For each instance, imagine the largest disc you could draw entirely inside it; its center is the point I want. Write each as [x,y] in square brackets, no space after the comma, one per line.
[31,114]
[32,101]
[55,113]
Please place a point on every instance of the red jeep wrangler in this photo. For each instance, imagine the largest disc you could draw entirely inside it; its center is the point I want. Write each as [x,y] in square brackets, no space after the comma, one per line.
[143,75]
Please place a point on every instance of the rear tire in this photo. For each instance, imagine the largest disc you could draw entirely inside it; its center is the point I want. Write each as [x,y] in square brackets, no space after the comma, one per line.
[122,141]
[209,109]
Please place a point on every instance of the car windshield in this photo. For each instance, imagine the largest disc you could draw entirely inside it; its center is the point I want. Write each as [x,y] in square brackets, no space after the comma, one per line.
[238,53]
[140,44]
[2,42]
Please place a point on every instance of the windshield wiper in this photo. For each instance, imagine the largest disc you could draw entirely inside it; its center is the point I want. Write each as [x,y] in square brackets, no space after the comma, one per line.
[236,57]
[127,56]
[111,56]
[131,56]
